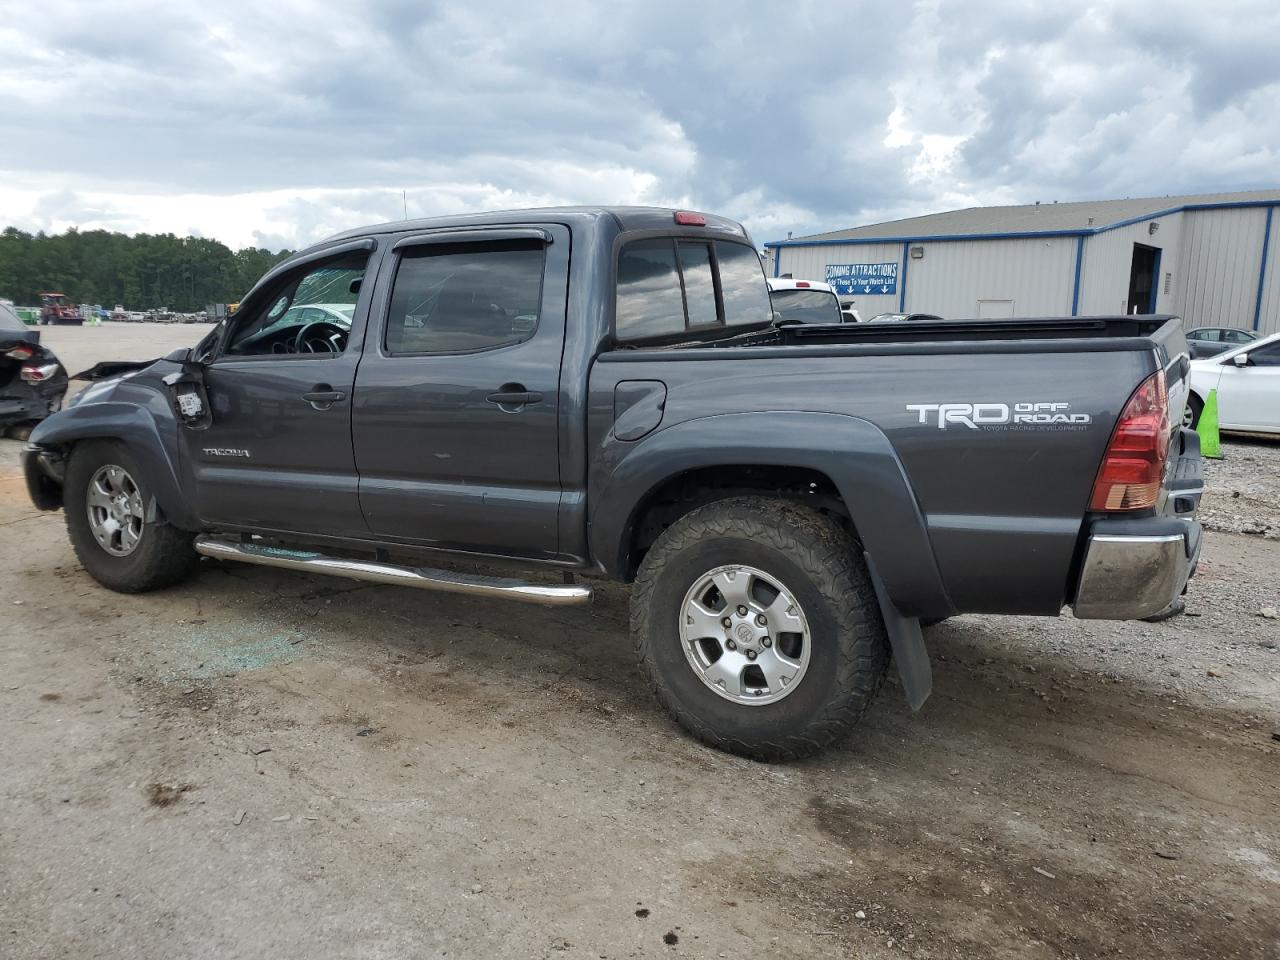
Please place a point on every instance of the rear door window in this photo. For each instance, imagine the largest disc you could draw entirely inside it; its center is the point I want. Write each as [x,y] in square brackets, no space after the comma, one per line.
[465,298]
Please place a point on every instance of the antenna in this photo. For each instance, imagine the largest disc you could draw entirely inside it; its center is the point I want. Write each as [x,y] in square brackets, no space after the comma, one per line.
[404,198]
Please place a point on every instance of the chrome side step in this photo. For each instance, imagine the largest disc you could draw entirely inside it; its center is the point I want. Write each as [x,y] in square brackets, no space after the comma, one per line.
[547,594]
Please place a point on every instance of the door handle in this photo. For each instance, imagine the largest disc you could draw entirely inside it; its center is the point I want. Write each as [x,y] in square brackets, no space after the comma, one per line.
[514,395]
[323,396]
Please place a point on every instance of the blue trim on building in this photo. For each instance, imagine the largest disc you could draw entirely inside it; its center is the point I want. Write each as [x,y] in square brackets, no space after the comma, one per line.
[937,238]
[1075,287]
[902,280]
[1262,269]
[1029,234]
[1154,294]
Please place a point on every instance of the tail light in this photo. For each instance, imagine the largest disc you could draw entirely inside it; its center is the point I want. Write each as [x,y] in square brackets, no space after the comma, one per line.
[37,372]
[803,283]
[20,352]
[1133,465]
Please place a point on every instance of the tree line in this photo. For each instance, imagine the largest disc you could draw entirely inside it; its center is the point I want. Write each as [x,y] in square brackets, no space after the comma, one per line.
[140,272]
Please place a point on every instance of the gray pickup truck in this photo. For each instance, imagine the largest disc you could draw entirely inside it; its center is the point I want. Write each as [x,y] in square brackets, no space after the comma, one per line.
[602,391]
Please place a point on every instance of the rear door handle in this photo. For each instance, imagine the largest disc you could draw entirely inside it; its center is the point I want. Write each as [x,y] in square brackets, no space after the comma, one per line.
[323,397]
[514,398]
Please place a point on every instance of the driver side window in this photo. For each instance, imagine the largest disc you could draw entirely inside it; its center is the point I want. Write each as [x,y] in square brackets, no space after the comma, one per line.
[305,313]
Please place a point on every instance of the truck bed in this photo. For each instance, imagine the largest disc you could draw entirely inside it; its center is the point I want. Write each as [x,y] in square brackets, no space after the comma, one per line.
[1004,503]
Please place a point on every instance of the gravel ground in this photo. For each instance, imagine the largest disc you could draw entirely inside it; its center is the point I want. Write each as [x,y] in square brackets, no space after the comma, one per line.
[261,764]
[1245,488]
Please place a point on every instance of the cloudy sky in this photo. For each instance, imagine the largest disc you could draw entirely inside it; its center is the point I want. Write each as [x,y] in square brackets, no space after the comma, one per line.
[276,123]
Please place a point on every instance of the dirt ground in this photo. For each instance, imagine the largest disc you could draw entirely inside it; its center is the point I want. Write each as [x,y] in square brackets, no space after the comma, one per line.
[262,764]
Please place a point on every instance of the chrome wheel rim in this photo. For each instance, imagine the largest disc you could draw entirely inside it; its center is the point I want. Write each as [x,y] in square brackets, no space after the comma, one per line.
[745,635]
[114,504]
[1187,415]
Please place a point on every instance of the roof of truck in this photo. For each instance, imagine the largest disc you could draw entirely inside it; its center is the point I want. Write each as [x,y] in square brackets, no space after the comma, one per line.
[627,218]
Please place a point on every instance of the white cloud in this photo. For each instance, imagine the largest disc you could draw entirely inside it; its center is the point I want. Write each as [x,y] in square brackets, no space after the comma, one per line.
[279,123]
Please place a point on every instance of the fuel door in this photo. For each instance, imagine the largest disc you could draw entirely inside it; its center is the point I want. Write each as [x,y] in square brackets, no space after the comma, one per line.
[637,407]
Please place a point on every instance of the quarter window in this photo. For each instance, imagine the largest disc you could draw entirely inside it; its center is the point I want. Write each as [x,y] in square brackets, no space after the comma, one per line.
[461,298]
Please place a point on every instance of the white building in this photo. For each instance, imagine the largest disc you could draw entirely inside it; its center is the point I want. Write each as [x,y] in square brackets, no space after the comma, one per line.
[1210,259]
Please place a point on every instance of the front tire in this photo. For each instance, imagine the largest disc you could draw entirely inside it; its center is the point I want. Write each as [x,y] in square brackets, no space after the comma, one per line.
[797,670]
[114,525]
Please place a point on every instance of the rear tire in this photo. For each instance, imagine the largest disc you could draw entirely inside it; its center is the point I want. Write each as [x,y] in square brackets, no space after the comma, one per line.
[818,571]
[156,554]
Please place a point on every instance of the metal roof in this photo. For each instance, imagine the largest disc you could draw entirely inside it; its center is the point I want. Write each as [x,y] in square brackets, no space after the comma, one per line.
[1090,216]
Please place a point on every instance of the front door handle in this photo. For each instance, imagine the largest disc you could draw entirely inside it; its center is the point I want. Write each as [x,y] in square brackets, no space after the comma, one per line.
[324,396]
[514,395]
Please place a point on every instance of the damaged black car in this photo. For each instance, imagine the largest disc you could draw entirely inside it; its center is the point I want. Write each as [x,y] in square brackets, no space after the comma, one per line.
[32,381]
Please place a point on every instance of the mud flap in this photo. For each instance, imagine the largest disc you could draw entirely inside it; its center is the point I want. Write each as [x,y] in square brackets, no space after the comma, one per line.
[907,641]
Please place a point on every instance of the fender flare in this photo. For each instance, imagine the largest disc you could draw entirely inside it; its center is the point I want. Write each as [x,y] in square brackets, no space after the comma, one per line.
[136,427]
[853,452]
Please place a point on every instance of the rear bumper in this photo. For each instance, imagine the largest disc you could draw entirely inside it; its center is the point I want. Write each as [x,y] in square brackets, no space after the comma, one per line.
[1136,568]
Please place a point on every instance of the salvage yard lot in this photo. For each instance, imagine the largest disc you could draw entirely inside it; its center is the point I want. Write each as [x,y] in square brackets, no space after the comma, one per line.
[260,763]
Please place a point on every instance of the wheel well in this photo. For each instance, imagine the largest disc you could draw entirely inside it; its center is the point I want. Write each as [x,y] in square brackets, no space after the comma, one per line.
[678,495]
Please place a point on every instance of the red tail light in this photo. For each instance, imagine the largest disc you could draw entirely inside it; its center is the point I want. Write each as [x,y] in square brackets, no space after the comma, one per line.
[20,352]
[688,219]
[1134,462]
[802,283]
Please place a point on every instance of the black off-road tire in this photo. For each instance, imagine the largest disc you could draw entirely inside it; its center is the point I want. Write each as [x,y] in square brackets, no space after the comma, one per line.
[164,555]
[822,566]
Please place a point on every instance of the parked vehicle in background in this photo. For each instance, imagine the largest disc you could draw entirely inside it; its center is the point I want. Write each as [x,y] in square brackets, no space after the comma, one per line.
[1247,378]
[120,314]
[850,313]
[56,309]
[903,317]
[1211,341]
[32,381]
[804,301]
[605,390]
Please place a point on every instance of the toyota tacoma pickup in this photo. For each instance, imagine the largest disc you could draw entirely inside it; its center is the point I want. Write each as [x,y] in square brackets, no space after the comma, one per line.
[603,392]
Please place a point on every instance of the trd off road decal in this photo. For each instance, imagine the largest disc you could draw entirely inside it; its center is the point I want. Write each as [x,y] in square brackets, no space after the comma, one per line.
[1029,415]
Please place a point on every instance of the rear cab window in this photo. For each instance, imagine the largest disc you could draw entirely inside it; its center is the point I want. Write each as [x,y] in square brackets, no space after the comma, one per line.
[672,289]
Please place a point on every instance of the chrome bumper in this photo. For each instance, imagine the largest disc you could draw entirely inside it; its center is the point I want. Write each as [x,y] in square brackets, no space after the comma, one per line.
[1131,576]
[1136,568]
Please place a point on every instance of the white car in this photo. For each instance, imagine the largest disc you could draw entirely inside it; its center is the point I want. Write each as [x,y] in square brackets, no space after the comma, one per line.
[808,301]
[1247,378]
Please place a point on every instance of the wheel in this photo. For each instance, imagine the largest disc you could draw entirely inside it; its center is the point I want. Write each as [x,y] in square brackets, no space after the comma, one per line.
[757,627]
[1191,412]
[107,503]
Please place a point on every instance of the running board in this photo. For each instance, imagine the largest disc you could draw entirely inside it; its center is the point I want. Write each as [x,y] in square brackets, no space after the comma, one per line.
[551,595]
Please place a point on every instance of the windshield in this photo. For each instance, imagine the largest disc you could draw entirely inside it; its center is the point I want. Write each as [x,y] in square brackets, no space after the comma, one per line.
[806,306]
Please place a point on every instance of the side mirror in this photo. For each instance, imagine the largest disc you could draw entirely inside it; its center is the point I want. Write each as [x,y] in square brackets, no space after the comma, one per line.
[1241,359]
